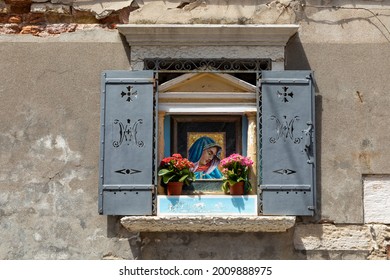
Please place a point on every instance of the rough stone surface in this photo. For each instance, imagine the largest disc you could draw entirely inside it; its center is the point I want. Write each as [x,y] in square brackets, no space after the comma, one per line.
[50,8]
[329,241]
[208,224]
[219,246]
[329,237]
[212,12]
[377,199]
[381,238]
[101,8]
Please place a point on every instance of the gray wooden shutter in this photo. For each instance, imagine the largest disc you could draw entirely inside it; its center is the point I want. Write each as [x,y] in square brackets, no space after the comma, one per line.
[288,143]
[128,146]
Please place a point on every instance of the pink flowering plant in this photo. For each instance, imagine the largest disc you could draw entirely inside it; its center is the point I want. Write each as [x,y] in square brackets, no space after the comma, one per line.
[176,169]
[235,168]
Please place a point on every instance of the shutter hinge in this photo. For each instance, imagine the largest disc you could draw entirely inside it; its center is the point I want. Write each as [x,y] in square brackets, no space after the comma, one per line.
[154,84]
[311,208]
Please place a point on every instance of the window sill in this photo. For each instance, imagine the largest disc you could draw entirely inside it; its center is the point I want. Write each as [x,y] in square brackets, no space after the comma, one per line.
[208,223]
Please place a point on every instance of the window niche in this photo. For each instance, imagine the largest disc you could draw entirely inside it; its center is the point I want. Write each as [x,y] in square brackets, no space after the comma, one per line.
[206,104]
[190,130]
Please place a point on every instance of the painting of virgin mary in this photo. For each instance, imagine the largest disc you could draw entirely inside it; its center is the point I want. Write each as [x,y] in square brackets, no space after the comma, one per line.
[205,153]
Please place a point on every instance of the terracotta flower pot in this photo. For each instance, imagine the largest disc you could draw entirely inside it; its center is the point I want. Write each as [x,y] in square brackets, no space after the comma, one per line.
[174,188]
[237,188]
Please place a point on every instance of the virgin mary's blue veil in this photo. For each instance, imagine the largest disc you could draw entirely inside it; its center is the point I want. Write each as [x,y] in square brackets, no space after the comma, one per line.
[202,143]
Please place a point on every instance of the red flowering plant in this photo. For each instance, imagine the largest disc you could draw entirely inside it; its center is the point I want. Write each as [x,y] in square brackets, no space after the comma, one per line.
[235,168]
[176,169]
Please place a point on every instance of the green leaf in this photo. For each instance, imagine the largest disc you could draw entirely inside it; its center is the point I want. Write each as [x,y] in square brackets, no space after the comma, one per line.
[162,172]
[167,179]
[183,178]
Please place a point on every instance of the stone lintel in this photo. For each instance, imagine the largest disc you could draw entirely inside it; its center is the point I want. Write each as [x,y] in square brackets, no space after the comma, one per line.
[208,223]
[207,34]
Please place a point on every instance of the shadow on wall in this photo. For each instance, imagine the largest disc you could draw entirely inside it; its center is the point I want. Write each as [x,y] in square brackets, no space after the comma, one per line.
[219,246]
[116,230]
[296,59]
[126,47]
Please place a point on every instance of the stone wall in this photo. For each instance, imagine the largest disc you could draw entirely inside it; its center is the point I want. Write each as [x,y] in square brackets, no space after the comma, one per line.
[49,129]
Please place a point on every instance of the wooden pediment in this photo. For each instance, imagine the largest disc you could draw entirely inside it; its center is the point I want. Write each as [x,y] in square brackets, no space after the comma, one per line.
[207,87]
[206,82]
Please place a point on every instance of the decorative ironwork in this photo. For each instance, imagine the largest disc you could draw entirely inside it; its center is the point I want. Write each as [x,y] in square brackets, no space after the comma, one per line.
[260,200]
[285,94]
[154,202]
[130,94]
[284,171]
[128,171]
[284,130]
[128,133]
[154,161]
[207,65]
[259,140]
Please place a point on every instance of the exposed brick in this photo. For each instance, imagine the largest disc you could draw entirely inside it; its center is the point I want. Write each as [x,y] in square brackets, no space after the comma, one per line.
[34,18]
[83,17]
[61,28]
[124,14]
[113,17]
[19,6]
[58,18]
[15,19]
[32,29]
[4,18]
[11,28]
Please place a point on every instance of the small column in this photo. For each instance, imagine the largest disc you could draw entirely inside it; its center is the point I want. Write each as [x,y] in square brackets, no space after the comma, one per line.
[160,145]
[161,119]
[252,148]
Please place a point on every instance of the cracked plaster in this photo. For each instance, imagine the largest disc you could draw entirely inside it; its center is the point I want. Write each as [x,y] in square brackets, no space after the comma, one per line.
[205,11]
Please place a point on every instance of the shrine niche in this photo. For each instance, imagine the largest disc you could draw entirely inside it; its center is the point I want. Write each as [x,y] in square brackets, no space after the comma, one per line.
[205,107]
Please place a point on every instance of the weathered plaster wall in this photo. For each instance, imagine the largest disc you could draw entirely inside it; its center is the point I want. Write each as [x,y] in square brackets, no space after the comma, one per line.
[349,51]
[49,130]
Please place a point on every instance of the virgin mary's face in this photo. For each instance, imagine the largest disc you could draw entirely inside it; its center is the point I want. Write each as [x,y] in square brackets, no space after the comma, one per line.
[208,155]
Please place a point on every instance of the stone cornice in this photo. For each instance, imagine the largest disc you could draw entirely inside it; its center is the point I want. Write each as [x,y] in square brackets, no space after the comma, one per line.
[207,34]
[208,223]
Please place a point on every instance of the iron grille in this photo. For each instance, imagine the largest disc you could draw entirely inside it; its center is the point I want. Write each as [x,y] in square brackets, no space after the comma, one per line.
[207,65]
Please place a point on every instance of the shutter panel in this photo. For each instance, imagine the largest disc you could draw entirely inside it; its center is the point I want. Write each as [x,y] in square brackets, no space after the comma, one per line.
[128,146]
[288,143]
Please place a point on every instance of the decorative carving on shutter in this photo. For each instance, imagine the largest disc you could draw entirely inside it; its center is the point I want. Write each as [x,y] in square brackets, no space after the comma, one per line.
[288,143]
[128,144]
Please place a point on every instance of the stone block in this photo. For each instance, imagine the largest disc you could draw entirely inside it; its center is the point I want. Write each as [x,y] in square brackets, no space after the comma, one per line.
[197,223]
[329,237]
[50,8]
[376,199]
[101,9]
